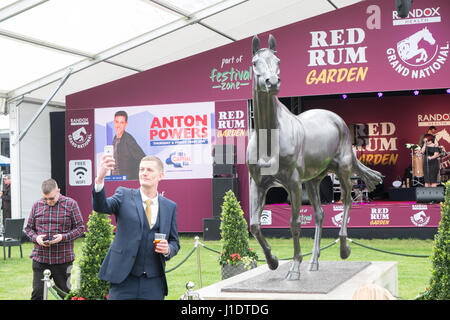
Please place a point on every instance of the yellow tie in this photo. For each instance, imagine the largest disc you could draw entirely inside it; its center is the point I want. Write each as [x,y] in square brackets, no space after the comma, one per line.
[148,212]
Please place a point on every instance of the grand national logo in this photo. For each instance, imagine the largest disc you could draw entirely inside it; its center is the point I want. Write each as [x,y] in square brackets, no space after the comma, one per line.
[420,55]
[79,138]
[337,219]
[420,219]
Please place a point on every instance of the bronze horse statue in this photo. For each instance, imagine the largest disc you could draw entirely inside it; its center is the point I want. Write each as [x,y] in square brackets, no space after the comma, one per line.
[304,148]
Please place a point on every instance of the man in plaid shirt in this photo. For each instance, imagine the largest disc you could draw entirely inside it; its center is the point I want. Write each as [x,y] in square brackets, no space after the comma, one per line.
[55,222]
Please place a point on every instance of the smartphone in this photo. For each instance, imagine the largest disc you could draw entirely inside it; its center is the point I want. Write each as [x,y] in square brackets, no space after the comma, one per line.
[109,150]
[48,238]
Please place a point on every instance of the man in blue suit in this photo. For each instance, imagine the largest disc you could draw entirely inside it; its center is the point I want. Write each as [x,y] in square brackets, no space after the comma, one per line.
[135,268]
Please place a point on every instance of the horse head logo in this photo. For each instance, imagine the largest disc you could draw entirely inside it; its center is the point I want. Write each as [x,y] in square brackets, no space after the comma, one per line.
[420,217]
[409,48]
[443,134]
[79,135]
[266,66]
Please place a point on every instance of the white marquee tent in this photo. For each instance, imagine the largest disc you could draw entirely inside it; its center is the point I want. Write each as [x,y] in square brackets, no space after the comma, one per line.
[92,42]
[104,40]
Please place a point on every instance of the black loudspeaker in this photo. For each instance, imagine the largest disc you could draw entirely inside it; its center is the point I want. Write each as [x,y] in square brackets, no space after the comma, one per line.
[224,154]
[220,186]
[224,170]
[427,194]
[211,229]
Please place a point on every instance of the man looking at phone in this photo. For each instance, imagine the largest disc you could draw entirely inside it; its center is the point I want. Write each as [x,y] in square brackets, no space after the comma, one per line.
[134,266]
[54,223]
[127,152]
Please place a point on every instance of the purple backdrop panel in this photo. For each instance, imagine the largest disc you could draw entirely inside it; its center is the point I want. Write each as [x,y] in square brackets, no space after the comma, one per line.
[232,128]
[79,158]
[385,127]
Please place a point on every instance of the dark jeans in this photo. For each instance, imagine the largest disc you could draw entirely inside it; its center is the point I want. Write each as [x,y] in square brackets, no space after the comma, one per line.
[60,275]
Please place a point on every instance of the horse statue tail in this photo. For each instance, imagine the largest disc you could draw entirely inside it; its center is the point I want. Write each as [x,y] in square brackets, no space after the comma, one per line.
[370,177]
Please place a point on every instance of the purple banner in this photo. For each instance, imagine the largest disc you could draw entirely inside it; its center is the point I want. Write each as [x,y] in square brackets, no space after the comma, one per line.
[360,48]
[368,215]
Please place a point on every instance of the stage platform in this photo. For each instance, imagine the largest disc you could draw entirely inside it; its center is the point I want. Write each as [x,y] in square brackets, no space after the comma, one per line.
[377,219]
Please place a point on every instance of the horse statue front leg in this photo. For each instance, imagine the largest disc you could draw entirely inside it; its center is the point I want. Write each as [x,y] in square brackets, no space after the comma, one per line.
[257,200]
[295,192]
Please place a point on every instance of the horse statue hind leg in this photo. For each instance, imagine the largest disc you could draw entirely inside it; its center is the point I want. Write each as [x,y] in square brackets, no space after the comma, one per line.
[348,164]
[313,190]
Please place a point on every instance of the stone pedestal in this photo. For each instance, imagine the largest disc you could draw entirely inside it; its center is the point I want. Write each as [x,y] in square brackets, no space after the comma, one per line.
[335,280]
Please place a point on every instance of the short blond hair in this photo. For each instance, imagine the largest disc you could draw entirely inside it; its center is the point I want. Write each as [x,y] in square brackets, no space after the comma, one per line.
[154,159]
[372,291]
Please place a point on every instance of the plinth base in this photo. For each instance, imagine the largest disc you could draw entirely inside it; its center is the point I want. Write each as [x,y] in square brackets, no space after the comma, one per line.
[335,280]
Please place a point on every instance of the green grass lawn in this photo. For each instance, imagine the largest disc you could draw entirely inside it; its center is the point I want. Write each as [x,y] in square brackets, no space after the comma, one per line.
[413,273]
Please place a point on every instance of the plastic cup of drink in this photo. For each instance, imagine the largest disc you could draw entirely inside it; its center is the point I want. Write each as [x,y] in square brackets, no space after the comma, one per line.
[158,238]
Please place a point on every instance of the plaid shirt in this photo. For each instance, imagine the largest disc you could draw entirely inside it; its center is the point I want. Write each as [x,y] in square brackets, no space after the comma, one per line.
[63,218]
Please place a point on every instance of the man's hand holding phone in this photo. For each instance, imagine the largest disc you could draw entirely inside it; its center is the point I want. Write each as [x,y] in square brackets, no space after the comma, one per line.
[107,163]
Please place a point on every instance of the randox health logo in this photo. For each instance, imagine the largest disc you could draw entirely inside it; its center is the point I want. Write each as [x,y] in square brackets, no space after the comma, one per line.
[417,16]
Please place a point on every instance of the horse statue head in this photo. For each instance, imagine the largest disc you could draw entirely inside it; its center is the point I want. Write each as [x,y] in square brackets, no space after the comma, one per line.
[266,67]
[403,7]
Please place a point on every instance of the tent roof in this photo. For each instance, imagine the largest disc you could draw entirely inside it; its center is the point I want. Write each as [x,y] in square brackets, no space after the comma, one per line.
[104,40]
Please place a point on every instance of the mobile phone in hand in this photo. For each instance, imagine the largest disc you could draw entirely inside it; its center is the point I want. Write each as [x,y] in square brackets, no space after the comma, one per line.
[48,238]
[108,150]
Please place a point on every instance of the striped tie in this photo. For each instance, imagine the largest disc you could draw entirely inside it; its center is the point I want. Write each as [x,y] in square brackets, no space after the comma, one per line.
[148,212]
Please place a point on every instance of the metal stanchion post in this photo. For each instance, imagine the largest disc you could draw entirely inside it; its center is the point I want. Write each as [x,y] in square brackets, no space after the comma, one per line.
[189,294]
[199,268]
[47,274]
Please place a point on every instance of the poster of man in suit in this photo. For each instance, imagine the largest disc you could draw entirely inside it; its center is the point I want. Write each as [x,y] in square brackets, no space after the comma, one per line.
[179,134]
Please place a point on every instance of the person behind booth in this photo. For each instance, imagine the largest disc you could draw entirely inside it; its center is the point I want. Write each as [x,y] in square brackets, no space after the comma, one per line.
[430,150]
[127,153]
[135,266]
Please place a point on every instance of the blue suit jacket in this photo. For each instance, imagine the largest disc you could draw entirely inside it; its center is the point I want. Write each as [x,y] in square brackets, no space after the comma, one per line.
[126,205]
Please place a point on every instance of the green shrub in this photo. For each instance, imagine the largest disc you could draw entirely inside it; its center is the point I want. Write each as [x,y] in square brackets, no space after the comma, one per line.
[439,288]
[234,232]
[95,247]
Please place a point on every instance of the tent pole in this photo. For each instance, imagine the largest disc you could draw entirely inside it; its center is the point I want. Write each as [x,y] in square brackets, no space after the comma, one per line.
[61,83]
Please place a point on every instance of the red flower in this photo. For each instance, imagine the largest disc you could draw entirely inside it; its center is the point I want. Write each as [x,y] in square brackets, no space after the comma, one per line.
[107,296]
[74,298]
[81,298]
[235,256]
